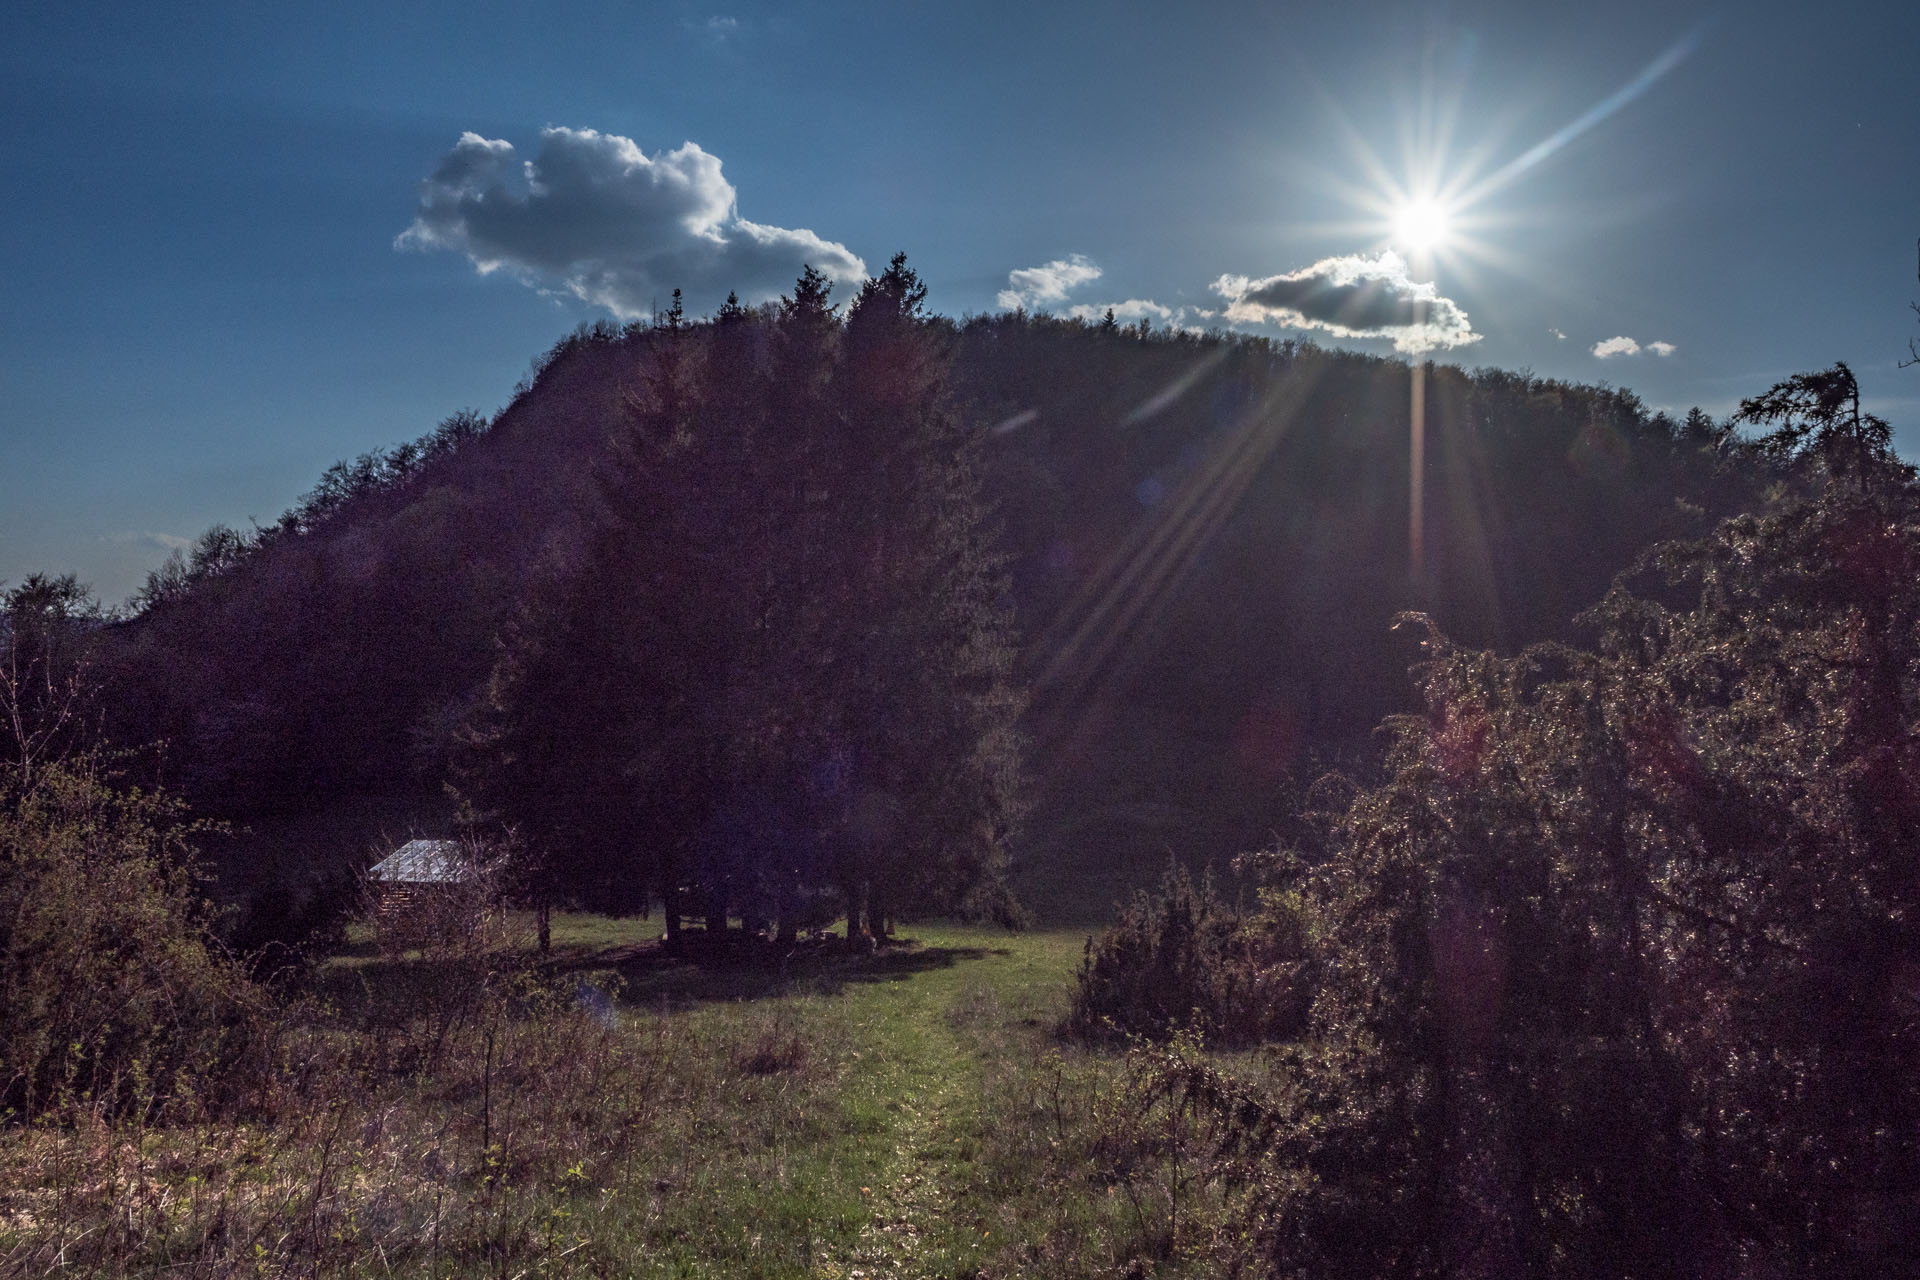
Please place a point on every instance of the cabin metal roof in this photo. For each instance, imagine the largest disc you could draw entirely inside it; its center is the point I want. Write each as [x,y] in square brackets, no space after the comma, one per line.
[423,862]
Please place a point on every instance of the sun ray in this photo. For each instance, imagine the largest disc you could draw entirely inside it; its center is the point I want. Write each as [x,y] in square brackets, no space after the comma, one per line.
[1112,617]
[1434,210]
[1648,76]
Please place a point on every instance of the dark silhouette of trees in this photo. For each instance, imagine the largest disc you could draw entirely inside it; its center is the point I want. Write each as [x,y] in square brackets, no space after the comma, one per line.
[923,668]
[1203,538]
[1816,418]
[782,661]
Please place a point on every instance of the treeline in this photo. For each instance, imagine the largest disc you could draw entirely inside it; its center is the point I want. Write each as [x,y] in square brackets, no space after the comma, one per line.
[1204,536]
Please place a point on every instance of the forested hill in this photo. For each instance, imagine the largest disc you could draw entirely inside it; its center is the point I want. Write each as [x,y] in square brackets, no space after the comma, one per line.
[1206,540]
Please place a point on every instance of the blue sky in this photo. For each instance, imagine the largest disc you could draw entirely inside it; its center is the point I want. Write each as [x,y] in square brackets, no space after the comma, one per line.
[223,270]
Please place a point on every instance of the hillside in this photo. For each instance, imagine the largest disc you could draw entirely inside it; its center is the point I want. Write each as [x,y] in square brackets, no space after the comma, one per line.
[1206,542]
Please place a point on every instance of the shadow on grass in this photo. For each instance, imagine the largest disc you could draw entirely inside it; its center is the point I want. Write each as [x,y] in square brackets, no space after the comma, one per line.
[357,949]
[379,989]
[652,975]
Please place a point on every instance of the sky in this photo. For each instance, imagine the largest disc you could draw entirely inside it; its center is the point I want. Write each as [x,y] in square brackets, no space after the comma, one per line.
[240,241]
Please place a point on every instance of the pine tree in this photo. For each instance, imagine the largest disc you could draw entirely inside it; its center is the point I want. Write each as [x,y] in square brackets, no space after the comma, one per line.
[590,746]
[925,679]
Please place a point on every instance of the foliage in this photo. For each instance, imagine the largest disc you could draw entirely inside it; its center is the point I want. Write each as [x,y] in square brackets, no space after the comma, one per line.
[1617,970]
[48,703]
[287,926]
[1200,539]
[111,996]
[1181,959]
[782,635]
[1817,417]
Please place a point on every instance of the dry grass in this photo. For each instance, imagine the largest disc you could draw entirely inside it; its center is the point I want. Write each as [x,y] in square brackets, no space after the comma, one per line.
[904,1114]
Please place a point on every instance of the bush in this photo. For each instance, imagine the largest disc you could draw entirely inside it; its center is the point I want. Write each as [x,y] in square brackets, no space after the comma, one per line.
[110,996]
[1183,959]
[285,929]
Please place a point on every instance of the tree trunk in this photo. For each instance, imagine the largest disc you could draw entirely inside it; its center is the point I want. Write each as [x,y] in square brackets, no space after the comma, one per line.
[670,911]
[789,911]
[857,912]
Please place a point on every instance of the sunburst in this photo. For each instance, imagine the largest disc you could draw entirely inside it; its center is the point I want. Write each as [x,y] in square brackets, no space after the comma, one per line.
[1423,226]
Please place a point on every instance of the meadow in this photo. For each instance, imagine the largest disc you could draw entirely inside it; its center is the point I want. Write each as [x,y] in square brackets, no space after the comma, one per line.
[616,1112]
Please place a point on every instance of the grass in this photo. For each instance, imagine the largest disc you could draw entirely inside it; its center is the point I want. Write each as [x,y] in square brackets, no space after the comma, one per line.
[623,1113]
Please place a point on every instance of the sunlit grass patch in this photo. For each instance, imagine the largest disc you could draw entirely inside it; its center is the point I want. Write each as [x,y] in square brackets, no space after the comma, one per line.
[906,1113]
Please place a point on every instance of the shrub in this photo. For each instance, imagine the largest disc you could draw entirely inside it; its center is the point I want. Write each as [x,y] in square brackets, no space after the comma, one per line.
[285,929]
[1183,959]
[110,996]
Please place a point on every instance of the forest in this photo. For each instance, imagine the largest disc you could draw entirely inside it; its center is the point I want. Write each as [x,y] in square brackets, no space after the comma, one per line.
[1523,891]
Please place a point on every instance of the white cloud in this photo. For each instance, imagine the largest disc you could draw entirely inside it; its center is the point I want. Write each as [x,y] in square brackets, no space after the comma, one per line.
[610,225]
[1036,286]
[1131,309]
[1625,346]
[1352,297]
[1557,335]
[1134,310]
[150,541]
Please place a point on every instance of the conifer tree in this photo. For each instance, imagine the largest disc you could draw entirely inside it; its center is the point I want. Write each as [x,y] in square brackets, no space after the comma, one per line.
[925,677]
[588,746]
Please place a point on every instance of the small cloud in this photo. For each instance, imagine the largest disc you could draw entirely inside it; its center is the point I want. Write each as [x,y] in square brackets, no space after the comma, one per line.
[1558,336]
[716,29]
[1036,286]
[600,219]
[150,541]
[1134,310]
[1625,346]
[1131,309]
[1352,297]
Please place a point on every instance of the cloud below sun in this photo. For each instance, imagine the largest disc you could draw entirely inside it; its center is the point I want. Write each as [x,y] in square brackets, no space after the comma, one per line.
[1354,296]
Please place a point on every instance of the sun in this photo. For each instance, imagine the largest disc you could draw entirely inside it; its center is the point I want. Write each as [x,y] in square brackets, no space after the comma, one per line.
[1423,225]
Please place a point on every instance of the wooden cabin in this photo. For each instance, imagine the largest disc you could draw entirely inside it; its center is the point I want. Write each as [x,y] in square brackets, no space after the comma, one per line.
[424,887]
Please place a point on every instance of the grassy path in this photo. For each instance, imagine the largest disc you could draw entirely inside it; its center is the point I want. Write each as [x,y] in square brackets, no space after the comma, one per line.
[909,1193]
[926,1044]
[924,1084]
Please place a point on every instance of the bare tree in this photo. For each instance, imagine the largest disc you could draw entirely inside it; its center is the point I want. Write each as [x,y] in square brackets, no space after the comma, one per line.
[45,625]
[1913,344]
